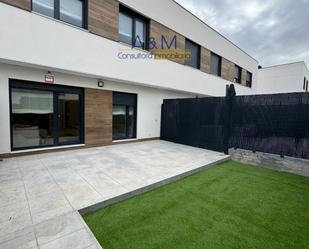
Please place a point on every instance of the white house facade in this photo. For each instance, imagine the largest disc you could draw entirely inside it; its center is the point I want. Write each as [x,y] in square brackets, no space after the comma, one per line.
[70,77]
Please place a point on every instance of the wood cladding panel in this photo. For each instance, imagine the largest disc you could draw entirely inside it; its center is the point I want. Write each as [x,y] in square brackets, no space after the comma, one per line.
[98,117]
[205,60]
[103,18]
[157,31]
[23,4]
[227,70]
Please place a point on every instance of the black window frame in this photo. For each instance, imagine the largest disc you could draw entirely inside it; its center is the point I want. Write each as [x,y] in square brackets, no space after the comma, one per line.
[57,13]
[127,105]
[135,16]
[249,83]
[212,54]
[198,54]
[304,85]
[237,78]
[56,89]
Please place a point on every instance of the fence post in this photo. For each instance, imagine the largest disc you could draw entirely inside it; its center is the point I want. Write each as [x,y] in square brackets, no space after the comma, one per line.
[230,94]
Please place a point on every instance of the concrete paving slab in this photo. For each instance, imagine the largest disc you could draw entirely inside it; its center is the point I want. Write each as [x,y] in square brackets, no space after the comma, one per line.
[77,240]
[24,241]
[56,228]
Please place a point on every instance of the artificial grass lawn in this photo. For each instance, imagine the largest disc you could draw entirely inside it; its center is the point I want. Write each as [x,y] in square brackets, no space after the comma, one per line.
[229,206]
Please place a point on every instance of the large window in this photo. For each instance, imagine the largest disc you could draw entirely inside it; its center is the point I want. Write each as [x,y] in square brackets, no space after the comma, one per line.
[237,74]
[70,11]
[132,28]
[124,115]
[45,115]
[215,64]
[249,79]
[195,51]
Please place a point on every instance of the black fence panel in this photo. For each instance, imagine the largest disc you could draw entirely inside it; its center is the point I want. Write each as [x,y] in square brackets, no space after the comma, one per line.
[277,123]
[197,122]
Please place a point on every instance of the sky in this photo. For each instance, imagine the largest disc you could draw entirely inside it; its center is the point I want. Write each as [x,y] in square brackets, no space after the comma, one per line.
[272,31]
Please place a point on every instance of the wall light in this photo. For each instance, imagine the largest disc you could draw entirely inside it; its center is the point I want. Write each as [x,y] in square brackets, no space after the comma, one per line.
[100,83]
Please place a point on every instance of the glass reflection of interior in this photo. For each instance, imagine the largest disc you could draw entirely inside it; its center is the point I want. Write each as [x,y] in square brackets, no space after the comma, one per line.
[119,121]
[68,114]
[32,118]
[131,122]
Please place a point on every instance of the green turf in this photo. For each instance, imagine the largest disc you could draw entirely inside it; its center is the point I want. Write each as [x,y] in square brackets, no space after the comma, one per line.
[229,206]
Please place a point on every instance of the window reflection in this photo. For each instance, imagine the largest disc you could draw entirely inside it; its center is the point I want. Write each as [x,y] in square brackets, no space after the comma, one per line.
[32,118]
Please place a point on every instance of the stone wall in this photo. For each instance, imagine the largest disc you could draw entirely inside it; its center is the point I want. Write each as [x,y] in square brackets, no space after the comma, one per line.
[287,164]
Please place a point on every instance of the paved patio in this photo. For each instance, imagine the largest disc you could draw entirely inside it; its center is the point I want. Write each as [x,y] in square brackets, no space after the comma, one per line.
[40,195]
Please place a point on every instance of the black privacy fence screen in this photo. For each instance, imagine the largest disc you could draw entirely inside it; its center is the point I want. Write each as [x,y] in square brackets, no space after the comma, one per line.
[274,123]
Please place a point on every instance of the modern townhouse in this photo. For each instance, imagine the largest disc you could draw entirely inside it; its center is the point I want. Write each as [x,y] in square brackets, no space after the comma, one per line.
[70,77]
[292,77]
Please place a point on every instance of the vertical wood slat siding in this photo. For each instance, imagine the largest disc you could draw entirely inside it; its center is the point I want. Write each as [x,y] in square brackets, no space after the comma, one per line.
[103,18]
[158,30]
[23,4]
[227,70]
[98,117]
[205,60]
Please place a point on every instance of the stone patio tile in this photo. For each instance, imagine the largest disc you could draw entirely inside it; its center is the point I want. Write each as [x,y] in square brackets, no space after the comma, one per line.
[13,235]
[45,207]
[55,228]
[25,240]
[127,179]
[78,191]
[92,247]
[105,185]
[7,174]
[76,240]
[11,194]
[51,213]
[14,218]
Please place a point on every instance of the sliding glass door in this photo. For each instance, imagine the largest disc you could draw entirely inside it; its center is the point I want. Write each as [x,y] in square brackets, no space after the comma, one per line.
[45,115]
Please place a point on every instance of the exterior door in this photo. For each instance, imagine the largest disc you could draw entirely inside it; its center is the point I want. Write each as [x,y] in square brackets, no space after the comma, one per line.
[68,118]
[44,115]
[124,115]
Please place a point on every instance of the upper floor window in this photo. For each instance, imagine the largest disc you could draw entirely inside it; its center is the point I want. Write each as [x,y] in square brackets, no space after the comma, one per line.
[132,28]
[249,79]
[215,64]
[70,11]
[304,85]
[195,51]
[237,76]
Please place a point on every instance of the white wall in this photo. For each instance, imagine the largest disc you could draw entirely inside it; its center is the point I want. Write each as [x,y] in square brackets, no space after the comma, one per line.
[30,39]
[306,74]
[282,78]
[148,109]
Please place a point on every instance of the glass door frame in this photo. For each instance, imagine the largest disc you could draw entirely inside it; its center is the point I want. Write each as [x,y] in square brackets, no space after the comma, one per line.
[127,107]
[56,90]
